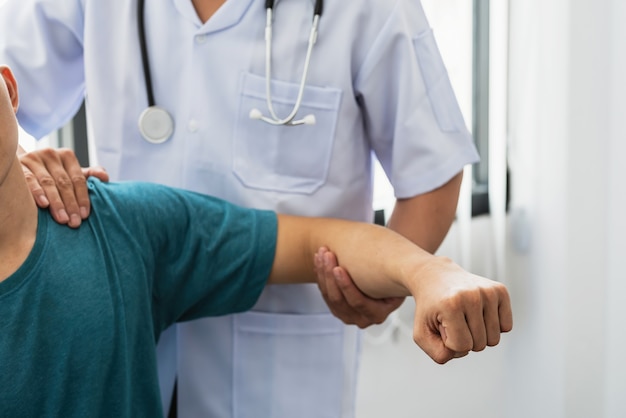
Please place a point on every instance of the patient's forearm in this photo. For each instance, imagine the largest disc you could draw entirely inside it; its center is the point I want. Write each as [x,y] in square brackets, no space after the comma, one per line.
[455,311]
[381,262]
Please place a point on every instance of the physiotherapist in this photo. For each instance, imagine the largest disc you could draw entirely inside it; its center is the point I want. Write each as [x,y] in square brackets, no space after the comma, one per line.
[210,91]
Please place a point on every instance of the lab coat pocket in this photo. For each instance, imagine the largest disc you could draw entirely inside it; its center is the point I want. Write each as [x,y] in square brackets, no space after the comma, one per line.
[438,87]
[290,159]
[300,359]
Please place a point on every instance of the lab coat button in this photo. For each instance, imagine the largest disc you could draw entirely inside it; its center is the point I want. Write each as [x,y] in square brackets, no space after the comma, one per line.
[200,39]
[192,125]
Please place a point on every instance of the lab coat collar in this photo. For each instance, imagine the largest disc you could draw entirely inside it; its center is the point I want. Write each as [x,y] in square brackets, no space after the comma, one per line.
[231,13]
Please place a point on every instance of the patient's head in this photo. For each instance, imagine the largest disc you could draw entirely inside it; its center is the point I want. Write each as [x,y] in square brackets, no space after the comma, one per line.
[8,122]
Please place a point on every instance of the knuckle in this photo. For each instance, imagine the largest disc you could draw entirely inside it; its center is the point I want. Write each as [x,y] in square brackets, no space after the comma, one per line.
[453,303]
[66,152]
[363,323]
[336,299]
[29,176]
[78,179]
[26,159]
[64,182]
[47,181]
[48,153]
[359,305]
[494,295]
[464,300]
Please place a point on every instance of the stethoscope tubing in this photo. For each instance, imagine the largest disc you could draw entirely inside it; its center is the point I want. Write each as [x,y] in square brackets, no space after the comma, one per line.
[290,119]
[268,70]
[156,124]
[143,44]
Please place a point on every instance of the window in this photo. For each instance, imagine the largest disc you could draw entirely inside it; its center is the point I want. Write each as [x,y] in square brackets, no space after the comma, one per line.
[461,29]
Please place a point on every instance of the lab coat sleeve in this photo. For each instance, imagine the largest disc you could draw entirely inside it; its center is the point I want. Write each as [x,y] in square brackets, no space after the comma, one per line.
[411,113]
[42,41]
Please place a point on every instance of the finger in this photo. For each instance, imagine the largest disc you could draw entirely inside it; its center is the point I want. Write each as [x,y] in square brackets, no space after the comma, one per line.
[475,320]
[99,172]
[493,326]
[504,310]
[318,264]
[458,334]
[474,304]
[444,337]
[334,293]
[353,302]
[432,341]
[35,188]
[41,175]
[373,311]
[84,202]
[335,301]
[58,166]
[78,191]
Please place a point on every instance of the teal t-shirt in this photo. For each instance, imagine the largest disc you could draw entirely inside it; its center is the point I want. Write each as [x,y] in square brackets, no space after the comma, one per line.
[79,320]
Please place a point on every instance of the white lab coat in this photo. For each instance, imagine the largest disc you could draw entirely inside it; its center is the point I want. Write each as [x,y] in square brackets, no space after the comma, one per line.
[377,85]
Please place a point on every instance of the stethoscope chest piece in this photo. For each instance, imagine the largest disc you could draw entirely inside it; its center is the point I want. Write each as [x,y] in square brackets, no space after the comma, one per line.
[156,125]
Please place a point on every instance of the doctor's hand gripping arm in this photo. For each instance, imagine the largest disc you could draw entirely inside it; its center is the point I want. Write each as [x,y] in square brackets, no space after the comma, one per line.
[456,311]
[57,182]
[346,301]
[425,220]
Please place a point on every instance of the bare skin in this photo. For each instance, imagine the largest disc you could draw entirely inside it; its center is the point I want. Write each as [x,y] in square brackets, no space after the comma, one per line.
[205,9]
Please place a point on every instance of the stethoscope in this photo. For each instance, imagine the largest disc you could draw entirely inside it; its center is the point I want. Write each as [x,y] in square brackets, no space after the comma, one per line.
[156,124]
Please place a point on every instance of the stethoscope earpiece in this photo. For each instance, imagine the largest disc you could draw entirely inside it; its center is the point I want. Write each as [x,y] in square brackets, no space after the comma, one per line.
[257,115]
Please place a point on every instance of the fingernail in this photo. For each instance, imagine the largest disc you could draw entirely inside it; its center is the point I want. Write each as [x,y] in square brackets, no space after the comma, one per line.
[84,212]
[43,201]
[75,220]
[336,274]
[63,216]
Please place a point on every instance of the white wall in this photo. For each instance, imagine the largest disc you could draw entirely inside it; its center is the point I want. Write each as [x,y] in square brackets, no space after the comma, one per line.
[399,381]
[567,145]
[567,102]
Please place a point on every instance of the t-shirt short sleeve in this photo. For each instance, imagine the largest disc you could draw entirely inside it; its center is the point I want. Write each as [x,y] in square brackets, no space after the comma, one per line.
[203,256]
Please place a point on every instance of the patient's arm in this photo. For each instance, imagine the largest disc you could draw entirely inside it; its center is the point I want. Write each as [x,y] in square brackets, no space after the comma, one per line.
[456,311]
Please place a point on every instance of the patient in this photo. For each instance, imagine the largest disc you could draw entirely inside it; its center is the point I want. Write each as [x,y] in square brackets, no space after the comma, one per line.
[77,334]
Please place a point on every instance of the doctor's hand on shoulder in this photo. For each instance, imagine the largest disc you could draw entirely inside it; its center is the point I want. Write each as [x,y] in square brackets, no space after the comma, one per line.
[58,182]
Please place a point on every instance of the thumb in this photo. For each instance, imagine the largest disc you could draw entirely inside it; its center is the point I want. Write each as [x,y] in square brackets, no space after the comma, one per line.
[432,342]
[98,172]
